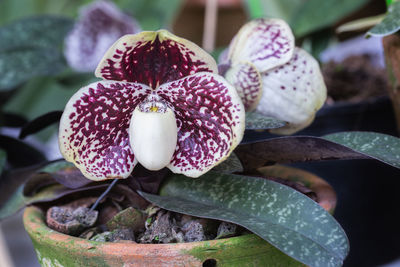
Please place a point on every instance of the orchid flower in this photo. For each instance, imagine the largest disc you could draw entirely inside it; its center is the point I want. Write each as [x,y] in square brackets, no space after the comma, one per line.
[100,24]
[162,104]
[272,76]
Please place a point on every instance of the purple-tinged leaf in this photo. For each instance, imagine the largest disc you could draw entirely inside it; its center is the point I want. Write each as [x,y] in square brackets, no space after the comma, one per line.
[146,180]
[40,123]
[210,121]
[100,24]
[153,58]
[346,145]
[20,154]
[94,128]
[247,81]
[266,43]
[292,149]
[65,173]
[293,92]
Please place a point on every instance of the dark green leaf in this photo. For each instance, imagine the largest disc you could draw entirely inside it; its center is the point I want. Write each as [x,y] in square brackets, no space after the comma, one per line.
[40,123]
[18,66]
[390,24]
[230,165]
[346,145]
[379,146]
[257,121]
[20,154]
[284,217]
[314,15]
[37,32]
[3,157]
[11,120]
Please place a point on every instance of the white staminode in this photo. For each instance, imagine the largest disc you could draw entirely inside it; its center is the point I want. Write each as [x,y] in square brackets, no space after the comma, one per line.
[153,133]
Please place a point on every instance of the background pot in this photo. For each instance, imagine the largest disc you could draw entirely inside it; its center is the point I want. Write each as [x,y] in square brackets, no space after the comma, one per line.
[56,249]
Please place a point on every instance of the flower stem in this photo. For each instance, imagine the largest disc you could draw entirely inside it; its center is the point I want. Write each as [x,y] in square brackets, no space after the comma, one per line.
[94,206]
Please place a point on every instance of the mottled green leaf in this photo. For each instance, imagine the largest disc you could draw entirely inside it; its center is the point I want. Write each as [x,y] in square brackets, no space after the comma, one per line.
[36,32]
[3,157]
[284,217]
[257,121]
[390,23]
[379,146]
[230,165]
[20,65]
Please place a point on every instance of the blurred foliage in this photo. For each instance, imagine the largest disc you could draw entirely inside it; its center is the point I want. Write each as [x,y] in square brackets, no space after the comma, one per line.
[304,16]
[310,20]
[35,77]
[152,15]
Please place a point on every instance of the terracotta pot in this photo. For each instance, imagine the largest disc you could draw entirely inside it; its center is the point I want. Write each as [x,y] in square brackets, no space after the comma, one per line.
[56,249]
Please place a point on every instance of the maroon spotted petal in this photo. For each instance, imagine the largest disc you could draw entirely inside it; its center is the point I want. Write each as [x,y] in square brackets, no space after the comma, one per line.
[210,121]
[153,58]
[94,128]
[100,24]
[248,83]
[266,43]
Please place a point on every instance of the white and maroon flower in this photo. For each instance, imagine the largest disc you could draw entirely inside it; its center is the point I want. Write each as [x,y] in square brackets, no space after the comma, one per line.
[100,24]
[272,76]
[161,104]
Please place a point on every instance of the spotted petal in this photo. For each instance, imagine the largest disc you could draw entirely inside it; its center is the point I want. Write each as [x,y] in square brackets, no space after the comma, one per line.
[100,24]
[247,81]
[94,128]
[210,121]
[293,92]
[266,43]
[153,58]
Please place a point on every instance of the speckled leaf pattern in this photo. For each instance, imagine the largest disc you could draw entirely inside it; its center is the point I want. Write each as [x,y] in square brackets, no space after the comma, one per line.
[230,165]
[379,146]
[293,92]
[20,65]
[36,32]
[346,145]
[390,24]
[209,116]
[247,81]
[266,43]
[94,128]
[258,121]
[287,219]
[100,24]
[30,47]
[153,58]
